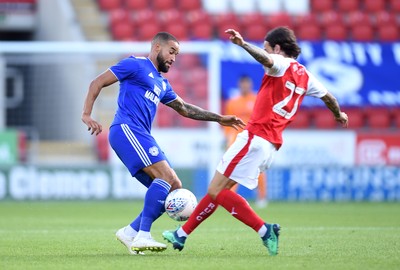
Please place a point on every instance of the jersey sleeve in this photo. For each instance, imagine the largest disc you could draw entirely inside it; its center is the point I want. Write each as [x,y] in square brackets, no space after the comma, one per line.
[126,68]
[315,87]
[279,67]
[169,96]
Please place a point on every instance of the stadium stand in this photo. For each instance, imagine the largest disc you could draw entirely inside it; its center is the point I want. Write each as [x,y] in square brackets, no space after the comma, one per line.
[358,20]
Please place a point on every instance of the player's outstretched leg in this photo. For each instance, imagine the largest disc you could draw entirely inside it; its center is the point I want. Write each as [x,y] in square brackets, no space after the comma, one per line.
[126,241]
[271,238]
[176,241]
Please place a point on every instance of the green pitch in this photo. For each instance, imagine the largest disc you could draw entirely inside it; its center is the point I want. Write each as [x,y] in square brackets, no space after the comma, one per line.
[80,235]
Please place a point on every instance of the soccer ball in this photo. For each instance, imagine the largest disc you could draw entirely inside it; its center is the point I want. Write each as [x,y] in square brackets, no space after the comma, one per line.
[180,204]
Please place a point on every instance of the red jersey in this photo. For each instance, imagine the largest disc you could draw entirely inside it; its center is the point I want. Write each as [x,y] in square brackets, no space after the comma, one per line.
[282,90]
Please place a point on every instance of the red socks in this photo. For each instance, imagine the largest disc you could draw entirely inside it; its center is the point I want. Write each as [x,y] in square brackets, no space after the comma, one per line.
[204,209]
[239,209]
[232,202]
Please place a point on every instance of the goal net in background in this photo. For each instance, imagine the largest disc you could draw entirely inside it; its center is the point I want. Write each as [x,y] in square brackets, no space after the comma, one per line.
[46,83]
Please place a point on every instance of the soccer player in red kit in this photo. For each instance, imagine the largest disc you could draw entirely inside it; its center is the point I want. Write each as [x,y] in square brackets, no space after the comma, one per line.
[283,87]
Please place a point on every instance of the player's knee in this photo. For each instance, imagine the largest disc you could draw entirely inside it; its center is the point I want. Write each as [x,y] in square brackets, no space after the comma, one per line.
[212,192]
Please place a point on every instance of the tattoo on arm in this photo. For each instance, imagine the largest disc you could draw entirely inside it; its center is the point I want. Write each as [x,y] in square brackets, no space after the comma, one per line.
[332,104]
[193,112]
[259,54]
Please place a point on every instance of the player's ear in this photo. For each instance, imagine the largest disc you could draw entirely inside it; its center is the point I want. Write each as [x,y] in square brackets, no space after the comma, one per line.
[277,49]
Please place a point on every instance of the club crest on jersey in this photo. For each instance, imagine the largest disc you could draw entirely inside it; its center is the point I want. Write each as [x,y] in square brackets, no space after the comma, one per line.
[299,69]
[153,151]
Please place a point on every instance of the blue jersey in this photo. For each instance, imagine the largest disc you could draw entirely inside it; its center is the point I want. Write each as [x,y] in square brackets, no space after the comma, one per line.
[142,87]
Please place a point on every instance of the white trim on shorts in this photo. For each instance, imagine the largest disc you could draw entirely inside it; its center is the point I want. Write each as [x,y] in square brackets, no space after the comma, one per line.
[246,158]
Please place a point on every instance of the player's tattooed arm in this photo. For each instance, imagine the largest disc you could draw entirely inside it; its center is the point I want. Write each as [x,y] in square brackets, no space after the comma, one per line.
[332,104]
[197,113]
[193,111]
[259,54]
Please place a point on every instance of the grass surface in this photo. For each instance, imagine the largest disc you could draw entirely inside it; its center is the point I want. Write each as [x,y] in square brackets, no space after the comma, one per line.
[80,235]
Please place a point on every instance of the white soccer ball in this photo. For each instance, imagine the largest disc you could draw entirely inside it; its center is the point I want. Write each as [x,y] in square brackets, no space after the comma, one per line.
[180,204]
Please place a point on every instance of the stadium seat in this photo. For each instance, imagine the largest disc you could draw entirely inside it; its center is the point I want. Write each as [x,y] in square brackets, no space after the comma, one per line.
[221,28]
[188,61]
[145,17]
[384,17]
[362,33]
[201,31]
[134,5]
[269,7]
[255,32]
[185,5]
[147,31]
[356,117]
[336,32]
[119,15]
[248,19]
[330,18]
[348,5]
[374,5]
[199,16]
[108,5]
[323,119]
[179,30]
[310,32]
[302,119]
[319,6]
[226,18]
[279,19]
[394,5]
[171,16]
[122,31]
[378,117]
[388,33]
[160,5]
[165,117]
[356,18]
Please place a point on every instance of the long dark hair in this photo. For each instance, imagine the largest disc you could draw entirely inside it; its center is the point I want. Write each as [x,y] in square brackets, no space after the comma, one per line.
[285,38]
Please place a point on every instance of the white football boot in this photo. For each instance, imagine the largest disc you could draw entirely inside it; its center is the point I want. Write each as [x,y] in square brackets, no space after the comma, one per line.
[126,241]
[142,244]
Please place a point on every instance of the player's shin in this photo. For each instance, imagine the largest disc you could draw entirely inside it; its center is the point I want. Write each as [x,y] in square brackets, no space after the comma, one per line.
[239,209]
[203,210]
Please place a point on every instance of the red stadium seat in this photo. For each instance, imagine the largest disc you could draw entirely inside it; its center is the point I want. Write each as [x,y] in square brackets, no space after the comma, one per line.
[134,5]
[108,5]
[221,28]
[362,33]
[394,5]
[279,19]
[144,17]
[356,18]
[384,17]
[318,6]
[248,19]
[309,32]
[330,18]
[255,32]
[146,32]
[185,5]
[119,15]
[374,5]
[388,32]
[199,16]
[378,117]
[188,61]
[163,4]
[201,31]
[356,117]
[165,116]
[171,16]
[225,19]
[348,5]
[336,32]
[122,31]
[302,119]
[323,119]
[179,30]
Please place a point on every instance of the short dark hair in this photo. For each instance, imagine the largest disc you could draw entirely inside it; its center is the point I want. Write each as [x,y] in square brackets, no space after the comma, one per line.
[163,37]
[285,38]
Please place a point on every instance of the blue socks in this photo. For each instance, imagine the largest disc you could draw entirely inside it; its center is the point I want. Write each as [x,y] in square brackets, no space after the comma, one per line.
[153,205]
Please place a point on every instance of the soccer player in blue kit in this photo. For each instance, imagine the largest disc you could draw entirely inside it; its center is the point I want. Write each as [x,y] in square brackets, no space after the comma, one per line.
[142,88]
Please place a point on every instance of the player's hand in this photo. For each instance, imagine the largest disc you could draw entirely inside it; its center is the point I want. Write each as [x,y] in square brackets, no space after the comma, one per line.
[343,119]
[93,126]
[232,121]
[235,37]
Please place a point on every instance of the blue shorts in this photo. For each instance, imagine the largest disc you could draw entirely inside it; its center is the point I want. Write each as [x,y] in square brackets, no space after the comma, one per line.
[137,150]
